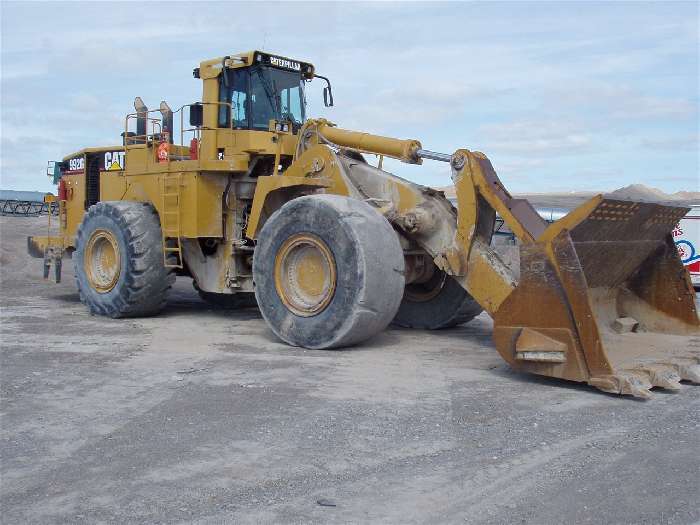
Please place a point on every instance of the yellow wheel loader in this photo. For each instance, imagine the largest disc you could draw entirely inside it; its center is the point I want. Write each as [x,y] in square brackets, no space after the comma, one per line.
[258,204]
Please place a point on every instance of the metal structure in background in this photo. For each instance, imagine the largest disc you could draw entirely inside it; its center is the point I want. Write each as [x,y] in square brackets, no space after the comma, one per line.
[548,214]
[27,208]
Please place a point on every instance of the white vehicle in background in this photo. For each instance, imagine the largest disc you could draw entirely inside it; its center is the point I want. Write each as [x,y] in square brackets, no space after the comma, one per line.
[687,238]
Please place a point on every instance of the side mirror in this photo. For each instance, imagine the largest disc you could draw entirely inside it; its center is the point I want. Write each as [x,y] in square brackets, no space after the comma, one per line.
[327,92]
[327,96]
[196,115]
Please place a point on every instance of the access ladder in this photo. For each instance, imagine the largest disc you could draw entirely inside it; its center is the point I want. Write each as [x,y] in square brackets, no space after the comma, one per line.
[170,220]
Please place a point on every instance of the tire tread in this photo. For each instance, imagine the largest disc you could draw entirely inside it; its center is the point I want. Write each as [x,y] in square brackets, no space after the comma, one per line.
[146,280]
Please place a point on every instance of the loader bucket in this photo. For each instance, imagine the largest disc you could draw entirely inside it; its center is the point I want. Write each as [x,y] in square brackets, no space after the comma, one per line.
[603,298]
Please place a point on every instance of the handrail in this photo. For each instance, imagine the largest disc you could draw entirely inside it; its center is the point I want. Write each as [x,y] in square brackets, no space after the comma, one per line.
[158,132]
[132,139]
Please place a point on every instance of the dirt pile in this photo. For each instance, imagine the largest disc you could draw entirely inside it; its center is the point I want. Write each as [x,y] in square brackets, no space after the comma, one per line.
[640,192]
[635,192]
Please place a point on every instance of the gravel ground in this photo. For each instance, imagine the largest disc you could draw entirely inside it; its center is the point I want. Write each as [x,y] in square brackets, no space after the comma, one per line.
[201,416]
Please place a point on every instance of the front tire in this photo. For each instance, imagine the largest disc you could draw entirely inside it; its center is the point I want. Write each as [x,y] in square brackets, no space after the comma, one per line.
[439,302]
[328,272]
[118,260]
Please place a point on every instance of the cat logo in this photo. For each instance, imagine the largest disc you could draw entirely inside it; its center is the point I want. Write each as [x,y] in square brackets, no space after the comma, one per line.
[285,63]
[114,160]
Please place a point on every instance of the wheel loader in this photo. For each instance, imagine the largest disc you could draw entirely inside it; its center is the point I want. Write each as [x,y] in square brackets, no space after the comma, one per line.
[259,204]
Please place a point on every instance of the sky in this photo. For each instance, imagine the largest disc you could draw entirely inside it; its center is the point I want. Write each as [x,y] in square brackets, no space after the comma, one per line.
[561,96]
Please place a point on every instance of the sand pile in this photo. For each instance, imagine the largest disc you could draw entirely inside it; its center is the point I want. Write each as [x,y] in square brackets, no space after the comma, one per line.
[636,192]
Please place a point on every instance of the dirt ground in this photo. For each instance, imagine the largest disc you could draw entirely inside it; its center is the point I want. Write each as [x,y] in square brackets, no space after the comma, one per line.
[201,416]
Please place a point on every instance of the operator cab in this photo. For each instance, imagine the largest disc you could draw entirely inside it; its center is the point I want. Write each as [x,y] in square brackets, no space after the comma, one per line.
[257,87]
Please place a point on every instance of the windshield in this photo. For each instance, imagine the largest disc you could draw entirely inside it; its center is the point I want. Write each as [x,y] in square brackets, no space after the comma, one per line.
[260,94]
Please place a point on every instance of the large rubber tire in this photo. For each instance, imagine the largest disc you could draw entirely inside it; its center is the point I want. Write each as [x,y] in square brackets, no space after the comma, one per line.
[143,281]
[450,305]
[227,301]
[369,271]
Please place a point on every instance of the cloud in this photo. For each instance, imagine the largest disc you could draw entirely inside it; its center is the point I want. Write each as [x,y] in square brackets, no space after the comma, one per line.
[542,88]
[624,102]
[676,143]
[536,137]
[520,166]
[404,103]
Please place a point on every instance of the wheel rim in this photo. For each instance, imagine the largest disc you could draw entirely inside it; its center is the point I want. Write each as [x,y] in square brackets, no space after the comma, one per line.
[420,292]
[102,261]
[305,274]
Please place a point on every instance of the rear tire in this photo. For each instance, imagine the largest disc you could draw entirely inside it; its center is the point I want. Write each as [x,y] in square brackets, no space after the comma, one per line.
[328,272]
[438,303]
[118,260]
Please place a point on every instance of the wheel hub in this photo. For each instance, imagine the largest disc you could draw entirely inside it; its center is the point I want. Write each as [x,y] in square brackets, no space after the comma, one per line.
[305,274]
[102,261]
[426,286]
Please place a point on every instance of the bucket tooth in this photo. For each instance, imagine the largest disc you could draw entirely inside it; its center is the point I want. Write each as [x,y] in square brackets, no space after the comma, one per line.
[687,366]
[663,377]
[690,372]
[635,383]
[608,384]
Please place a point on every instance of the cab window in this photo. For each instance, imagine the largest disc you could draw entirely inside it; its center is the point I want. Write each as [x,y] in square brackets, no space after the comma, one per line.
[260,94]
[236,94]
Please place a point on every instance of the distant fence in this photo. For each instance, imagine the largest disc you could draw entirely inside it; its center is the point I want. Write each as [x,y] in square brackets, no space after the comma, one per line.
[27,208]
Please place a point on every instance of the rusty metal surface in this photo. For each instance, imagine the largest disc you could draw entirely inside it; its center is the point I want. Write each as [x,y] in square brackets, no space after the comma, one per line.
[539,303]
[616,262]
[607,260]
[663,282]
[618,236]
